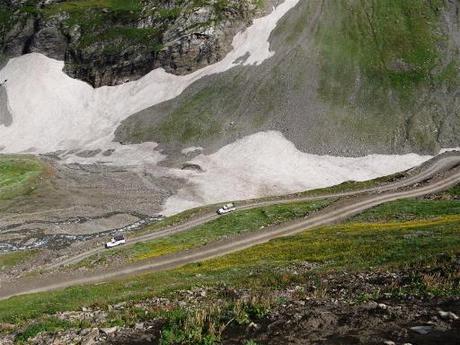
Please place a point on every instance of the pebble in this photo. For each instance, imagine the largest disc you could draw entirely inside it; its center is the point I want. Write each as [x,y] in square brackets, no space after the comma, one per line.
[448,315]
[372,305]
[90,338]
[423,330]
[382,306]
[253,326]
[120,305]
[389,342]
[109,331]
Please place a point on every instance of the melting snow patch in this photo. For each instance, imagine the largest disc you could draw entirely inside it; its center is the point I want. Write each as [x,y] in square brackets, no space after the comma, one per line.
[267,163]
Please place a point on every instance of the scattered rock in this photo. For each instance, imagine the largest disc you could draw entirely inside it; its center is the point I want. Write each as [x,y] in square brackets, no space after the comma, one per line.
[91,337]
[423,330]
[109,331]
[120,305]
[5,327]
[253,326]
[382,306]
[191,166]
[372,305]
[448,315]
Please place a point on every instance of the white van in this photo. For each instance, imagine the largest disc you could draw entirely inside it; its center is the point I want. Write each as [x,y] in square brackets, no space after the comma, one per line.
[226,209]
[117,240]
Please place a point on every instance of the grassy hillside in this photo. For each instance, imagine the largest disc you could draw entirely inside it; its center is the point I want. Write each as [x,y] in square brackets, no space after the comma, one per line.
[348,78]
[416,237]
[383,57]
[392,44]
[230,225]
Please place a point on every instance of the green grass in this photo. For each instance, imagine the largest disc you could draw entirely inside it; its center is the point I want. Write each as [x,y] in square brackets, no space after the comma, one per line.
[5,17]
[393,43]
[378,60]
[184,125]
[344,187]
[12,259]
[252,220]
[348,186]
[177,219]
[50,324]
[19,175]
[353,246]
[227,226]
[447,203]
[411,209]
[352,186]
[454,192]
[83,5]
[115,21]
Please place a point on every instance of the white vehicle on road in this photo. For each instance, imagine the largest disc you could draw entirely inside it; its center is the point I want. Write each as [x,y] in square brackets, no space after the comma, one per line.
[117,240]
[226,209]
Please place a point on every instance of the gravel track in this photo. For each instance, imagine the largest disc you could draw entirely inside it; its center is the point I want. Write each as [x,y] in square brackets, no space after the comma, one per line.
[383,194]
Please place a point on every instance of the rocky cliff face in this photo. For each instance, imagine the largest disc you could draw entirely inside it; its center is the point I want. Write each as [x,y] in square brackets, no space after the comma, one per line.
[111,41]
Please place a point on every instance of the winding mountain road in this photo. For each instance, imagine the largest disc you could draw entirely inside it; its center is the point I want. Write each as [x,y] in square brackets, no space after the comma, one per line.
[447,165]
[426,172]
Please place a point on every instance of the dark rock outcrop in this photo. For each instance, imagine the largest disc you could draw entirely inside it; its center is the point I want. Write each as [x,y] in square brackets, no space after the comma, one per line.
[120,42]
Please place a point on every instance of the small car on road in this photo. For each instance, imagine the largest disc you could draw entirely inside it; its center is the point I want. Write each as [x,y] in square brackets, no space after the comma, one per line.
[226,209]
[117,240]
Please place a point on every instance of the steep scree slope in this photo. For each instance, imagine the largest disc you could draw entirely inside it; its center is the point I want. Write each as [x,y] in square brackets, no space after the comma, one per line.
[349,77]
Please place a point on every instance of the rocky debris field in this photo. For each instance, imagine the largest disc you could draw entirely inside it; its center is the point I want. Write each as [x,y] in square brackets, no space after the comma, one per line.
[85,200]
[371,307]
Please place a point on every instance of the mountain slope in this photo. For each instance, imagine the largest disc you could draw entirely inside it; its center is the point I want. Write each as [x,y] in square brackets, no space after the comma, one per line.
[348,78]
[107,42]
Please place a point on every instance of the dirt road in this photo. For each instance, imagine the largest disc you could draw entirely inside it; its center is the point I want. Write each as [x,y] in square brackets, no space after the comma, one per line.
[425,172]
[220,248]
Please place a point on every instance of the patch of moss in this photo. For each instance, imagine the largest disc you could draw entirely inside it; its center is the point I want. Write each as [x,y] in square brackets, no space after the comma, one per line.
[19,175]
[12,259]
[6,19]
